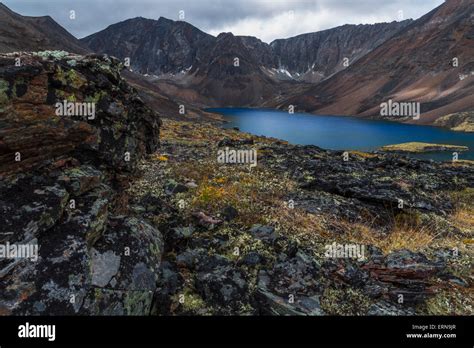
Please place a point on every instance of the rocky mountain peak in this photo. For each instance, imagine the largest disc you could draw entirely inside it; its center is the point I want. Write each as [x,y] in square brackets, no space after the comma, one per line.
[316,56]
[164,20]
[224,36]
[154,46]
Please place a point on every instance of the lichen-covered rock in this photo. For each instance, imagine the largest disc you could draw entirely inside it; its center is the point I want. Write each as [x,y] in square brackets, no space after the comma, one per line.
[79,180]
[119,131]
[292,287]
[264,233]
[63,182]
[170,283]
[128,257]
[273,304]
[118,276]
[384,308]
[406,274]
[60,279]
[360,185]
[223,286]
[117,302]
[30,206]
[125,268]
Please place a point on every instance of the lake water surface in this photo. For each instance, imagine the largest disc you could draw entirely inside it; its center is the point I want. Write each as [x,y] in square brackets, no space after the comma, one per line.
[343,133]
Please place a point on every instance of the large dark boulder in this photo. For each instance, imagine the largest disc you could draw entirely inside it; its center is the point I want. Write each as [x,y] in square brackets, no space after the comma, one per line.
[64,181]
[31,127]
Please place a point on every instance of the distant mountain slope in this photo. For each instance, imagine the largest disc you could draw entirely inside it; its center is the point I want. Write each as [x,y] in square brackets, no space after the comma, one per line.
[416,65]
[316,56]
[231,73]
[163,46]
[22,33]
[154,46]
[193,66]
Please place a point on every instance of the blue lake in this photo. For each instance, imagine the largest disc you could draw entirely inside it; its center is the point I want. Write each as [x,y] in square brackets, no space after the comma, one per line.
[341,132]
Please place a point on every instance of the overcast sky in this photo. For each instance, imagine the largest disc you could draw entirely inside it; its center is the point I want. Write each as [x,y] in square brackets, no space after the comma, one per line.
[265,19]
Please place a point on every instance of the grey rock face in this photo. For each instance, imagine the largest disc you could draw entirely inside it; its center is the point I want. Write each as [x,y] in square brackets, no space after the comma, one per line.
[316,56]
[264,233]
[223,286]
[104,267]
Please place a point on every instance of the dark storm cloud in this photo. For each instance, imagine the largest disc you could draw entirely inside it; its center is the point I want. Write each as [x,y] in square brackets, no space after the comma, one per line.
[267,19]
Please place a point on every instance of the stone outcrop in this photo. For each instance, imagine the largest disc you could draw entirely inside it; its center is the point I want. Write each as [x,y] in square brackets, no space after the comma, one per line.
[62,188]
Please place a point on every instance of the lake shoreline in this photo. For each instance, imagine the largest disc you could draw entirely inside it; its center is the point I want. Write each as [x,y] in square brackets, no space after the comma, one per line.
[343,132]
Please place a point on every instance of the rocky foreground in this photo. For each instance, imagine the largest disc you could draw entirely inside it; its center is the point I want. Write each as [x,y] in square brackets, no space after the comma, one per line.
[128,226]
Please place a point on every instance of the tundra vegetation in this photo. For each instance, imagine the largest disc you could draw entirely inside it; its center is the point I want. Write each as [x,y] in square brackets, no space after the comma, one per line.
[134,214]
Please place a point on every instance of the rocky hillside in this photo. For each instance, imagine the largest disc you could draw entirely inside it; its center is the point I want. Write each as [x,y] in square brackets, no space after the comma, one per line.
[154,47]
[429,61]
[253,241]
[22,33]
[62,188]
[316,56]
[232,73]
[459,121]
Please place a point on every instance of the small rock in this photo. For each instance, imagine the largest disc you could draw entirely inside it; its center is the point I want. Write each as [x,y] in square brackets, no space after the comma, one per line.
[173,187]
[225,286]
[384,308]
[190,258]
[229,213]
[191,185]
[206,221]
[252,259]
[263,232]
[104,267]
[183,232]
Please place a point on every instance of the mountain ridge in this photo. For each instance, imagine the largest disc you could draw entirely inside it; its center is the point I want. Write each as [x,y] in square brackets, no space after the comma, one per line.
[229,70]
[28,33]
[402,69]
[106,40]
